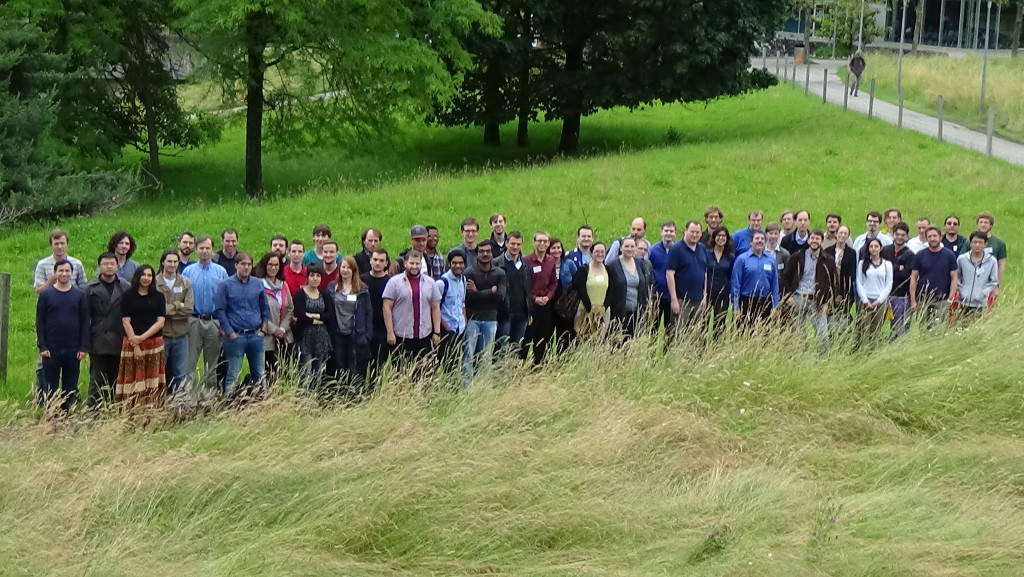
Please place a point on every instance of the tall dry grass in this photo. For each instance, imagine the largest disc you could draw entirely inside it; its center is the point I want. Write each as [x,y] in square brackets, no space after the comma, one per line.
[958,81]
[754,456]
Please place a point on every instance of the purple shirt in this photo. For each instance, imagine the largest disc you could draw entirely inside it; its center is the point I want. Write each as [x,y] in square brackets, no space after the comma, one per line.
[399,291]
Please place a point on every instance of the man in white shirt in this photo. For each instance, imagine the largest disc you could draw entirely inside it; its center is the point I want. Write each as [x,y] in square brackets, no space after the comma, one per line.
[919,242]
[874,221]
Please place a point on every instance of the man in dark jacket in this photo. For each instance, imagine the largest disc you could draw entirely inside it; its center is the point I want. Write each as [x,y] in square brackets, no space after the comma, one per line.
[103,299]
[516,316]
[857,66]
[810,283]
[486,287]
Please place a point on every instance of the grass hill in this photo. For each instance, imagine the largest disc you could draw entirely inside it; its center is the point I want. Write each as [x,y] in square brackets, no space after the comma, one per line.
[753,457]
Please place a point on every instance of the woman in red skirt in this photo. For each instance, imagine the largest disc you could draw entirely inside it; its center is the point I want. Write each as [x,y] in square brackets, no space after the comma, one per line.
[141,380]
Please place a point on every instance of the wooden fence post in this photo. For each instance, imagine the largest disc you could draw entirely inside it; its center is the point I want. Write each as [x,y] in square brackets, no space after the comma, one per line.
[824,86]
[5,320]
[940,104]
[989,131]
[871,101]
[900,120]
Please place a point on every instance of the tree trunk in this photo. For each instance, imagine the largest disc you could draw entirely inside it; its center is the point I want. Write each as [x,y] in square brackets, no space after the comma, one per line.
[1018,23]
[808,15]
[526,35]
[137,69]
[492,133]
[256,43]
[569,143]
[918,25]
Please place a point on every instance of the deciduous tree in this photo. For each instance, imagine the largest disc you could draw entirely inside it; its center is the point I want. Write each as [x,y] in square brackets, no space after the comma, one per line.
[371,63]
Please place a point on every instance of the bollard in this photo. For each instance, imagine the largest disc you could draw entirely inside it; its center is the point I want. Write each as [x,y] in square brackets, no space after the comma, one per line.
[989,132]
[807,79]
[824,86]
[785,74]
[846,93]
[778,55]
[940,104]
[871,100]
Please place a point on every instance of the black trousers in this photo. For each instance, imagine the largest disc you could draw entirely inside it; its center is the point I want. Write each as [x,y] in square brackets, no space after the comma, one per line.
[719,314]
[539,333]
[102,378]
[756,310]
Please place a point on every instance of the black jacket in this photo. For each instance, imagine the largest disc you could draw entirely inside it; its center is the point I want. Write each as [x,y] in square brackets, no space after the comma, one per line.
[519,298]
[615,298]
[484,304]
[302,322]
[847,273]
[826,277]
[105,328]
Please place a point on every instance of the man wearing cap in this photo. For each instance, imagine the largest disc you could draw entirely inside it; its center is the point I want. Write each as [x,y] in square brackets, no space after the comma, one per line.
[418,239]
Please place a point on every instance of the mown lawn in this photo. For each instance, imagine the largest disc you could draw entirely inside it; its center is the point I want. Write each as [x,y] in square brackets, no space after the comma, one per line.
[749,458]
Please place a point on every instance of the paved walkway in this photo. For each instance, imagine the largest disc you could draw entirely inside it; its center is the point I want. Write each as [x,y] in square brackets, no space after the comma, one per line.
[1007,150]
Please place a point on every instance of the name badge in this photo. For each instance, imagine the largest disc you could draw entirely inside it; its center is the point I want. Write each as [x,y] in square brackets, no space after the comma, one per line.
[766,266]
[177,290]
[599,277]
[351,298]
[519,264]
[536,269]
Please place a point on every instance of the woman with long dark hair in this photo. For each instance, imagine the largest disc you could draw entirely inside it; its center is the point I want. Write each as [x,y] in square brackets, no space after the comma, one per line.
[721,259]
[141,376]
[282,305]
[874,284]
[565,268]
[314,313]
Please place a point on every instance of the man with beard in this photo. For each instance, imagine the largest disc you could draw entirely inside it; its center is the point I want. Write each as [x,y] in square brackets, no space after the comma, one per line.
[485,296]
[811,283]
[755,284]
[376,280]
[186,244]
[418,242]
[434,263]
[933,280]
[902,259]
[412,310]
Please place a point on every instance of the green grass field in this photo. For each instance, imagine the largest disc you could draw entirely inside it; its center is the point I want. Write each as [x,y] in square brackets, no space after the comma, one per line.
[752,458]
[958,81]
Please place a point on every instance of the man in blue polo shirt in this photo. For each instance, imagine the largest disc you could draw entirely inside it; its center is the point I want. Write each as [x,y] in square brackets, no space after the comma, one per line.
[658,257]
[686,277]
[243,314]
[933,279]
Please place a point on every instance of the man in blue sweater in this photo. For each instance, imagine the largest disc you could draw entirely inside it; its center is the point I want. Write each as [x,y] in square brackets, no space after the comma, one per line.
[62,333]
[243,314]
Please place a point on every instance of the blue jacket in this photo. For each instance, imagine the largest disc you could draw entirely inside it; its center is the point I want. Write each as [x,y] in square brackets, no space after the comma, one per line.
[241,306]
[658,255]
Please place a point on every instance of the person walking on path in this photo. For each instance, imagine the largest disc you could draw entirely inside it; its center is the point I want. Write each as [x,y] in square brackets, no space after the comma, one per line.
[857,66]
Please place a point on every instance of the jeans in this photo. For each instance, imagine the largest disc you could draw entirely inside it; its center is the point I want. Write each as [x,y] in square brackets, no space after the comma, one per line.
[900,316]
[479,344]
[806,307]
[176,356]
[60,378]
[511,332]
[250,346]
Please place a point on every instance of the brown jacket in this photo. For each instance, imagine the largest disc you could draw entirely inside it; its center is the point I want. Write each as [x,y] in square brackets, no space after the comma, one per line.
[826,277]
[179,302]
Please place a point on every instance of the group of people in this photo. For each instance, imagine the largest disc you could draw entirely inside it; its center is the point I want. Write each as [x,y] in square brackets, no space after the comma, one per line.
[341,318]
